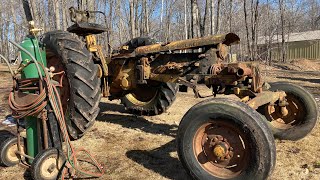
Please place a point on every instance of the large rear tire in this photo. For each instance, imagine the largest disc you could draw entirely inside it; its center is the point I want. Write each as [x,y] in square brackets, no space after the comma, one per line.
[225,139]
[147,99]
[81,92]
[302,112]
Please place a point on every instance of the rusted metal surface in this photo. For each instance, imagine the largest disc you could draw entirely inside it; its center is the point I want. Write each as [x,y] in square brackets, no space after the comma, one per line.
[226,39]
[144,70]
[285,115]
[221,149]
[93,47]
[265,98]
[170,68]
[55,62]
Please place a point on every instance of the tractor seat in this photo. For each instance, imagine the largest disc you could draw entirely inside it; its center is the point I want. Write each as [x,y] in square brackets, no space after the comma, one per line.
[85,28]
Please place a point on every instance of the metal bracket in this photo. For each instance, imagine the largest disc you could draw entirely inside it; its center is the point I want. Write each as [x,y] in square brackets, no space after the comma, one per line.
[190,85]
[143,70]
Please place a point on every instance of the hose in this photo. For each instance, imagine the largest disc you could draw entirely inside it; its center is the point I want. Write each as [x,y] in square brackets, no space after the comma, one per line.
[36,106]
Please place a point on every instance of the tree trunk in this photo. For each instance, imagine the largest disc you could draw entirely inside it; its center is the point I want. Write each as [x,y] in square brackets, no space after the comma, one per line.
[109,26]
[132,20]
[120,21]
[247,28]
[283,50]
[137,18]
[218,17]
[35,13]
[195,23]
[64,16]
[57,14]
[161,20]
[146,17]
[185,19]
[13,15]
[212,30]
[254,26]
[205,18]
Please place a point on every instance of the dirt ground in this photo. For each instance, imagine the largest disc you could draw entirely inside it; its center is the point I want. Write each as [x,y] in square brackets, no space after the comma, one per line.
[133,147]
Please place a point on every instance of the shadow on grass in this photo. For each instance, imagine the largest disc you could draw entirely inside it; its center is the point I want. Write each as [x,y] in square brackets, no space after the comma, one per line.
[134,122]
[157,160]
[160,161]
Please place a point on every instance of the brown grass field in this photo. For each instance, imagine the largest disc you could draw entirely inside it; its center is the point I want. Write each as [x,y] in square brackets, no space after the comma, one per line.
[133,147]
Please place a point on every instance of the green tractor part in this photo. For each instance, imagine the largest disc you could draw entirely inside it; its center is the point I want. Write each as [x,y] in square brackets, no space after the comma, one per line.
[32,45]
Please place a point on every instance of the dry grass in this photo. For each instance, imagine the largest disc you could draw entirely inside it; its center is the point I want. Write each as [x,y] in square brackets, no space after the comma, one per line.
[133,147]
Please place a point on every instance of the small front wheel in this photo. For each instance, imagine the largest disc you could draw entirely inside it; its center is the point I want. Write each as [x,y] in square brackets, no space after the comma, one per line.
[8,151]
[48,165]
[225,139]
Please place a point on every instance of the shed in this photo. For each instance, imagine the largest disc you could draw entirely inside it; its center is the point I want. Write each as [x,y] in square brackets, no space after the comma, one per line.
[302,45]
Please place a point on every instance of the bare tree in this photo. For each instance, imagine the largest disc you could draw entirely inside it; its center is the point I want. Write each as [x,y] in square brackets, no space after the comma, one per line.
[195,21]
[247,28]
[57,13]
[283,49]
[132,20]
[254,26]
[218,17]
[185,19]
[212,27]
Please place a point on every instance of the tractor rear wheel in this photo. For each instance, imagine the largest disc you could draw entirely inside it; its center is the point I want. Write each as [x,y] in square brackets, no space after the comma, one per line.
[147,99]
[81,92]
[150,100]
[225,139]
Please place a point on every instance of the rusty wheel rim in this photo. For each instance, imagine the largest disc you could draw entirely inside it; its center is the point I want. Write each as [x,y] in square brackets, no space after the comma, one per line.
[295,114]
[222,149]
[56,62]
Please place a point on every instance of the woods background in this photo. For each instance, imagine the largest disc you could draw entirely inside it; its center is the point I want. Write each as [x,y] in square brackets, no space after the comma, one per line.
[169,20]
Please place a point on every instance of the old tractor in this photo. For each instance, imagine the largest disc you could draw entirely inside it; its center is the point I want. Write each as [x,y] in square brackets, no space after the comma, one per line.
[219,138]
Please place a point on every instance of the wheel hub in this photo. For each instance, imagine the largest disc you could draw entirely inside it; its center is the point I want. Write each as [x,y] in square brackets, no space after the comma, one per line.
[12,153]
[221,148]
[50,168]
[286,115]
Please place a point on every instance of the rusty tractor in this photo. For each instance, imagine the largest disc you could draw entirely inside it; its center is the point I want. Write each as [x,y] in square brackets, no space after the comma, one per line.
[219,138]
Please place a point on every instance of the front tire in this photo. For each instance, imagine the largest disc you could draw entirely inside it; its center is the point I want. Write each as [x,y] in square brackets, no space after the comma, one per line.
[81,92]
[302,112]
[225,139]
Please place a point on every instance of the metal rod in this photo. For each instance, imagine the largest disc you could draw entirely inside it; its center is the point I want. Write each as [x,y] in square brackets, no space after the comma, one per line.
[24,155]
[44,121]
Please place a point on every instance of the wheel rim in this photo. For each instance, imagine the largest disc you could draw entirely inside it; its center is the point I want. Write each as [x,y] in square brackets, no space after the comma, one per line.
[54,61]
[50,167]
[143,95]
[11,153]
[295,116]
[222,149]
